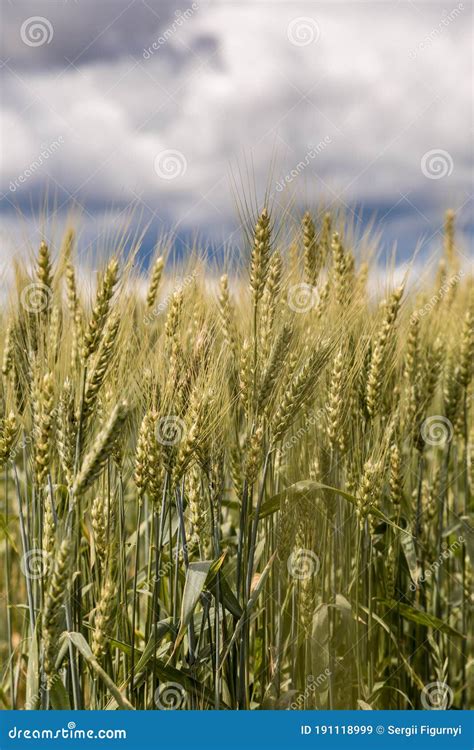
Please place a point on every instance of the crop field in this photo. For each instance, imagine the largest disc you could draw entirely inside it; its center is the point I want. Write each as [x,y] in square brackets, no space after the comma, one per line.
[245,487]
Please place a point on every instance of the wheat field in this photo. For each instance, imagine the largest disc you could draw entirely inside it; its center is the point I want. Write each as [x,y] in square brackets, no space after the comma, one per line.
[238,489]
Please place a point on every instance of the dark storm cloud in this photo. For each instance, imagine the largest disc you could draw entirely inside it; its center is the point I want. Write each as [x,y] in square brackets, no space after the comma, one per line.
[83,31]
[152,106]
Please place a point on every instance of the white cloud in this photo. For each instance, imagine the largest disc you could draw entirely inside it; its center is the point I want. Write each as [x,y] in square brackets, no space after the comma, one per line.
[229,84]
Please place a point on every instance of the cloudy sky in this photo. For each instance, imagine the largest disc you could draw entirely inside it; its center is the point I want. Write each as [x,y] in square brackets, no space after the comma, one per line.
[155,104]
